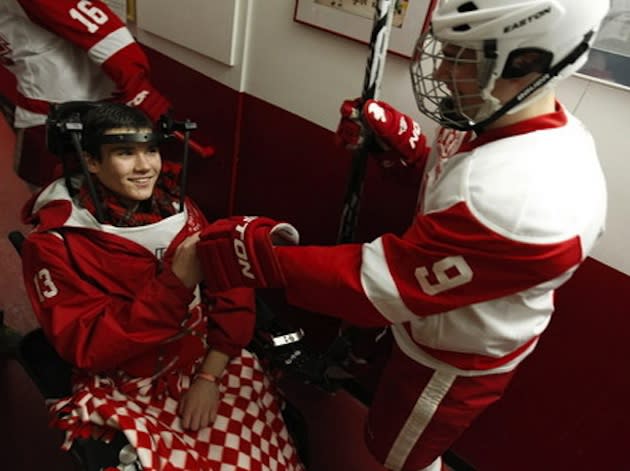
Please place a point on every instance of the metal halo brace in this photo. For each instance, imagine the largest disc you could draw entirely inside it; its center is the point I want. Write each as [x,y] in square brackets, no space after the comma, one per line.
[64,128]
[170,127]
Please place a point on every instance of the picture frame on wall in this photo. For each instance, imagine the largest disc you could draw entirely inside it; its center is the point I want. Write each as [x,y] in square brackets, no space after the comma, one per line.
[609,59]
[352,19]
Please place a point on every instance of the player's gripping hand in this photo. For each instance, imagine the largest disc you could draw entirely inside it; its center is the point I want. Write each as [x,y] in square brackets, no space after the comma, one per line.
[351,132]
[238,251]
[393,131]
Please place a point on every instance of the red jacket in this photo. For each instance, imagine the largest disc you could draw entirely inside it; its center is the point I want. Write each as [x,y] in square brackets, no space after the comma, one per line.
[107,299]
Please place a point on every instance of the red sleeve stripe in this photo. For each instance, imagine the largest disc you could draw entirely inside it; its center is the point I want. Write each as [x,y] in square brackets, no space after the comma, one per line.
[379,286]
[32,104]
[110,45]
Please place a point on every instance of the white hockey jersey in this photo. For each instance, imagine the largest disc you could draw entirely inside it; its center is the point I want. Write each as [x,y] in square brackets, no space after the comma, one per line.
[62,50]
[503,220]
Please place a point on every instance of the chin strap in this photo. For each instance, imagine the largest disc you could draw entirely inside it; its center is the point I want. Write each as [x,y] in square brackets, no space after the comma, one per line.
[540,82]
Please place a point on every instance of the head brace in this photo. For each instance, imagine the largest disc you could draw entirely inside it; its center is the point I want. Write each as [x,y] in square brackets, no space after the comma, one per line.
[65,138]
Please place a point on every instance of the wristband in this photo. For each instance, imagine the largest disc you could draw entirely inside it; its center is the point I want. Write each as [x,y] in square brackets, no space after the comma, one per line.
[206,376]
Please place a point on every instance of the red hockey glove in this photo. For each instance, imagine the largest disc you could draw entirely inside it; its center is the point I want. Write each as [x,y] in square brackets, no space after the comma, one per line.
[393,131]
[350,131]
[146,97]
[238,251]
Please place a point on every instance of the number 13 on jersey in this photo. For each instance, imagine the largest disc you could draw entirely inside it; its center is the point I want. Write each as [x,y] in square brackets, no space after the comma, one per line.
[44,285]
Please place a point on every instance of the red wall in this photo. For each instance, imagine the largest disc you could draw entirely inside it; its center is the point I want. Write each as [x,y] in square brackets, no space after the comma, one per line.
[216,110]
[287,167]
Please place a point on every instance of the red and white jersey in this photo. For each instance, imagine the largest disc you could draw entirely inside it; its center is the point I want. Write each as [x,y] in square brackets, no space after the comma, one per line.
[504,219]
[62,50]
[107,299]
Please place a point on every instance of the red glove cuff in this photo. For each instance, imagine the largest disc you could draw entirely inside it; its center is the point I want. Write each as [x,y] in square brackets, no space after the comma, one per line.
[148,99]
[238,251]
[350,131]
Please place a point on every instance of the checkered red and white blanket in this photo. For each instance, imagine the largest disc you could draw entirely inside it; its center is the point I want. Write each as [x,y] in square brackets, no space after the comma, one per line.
[249,433]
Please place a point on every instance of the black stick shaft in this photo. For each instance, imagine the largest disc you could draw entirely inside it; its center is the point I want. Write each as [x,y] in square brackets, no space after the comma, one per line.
[379,40]
[184,176]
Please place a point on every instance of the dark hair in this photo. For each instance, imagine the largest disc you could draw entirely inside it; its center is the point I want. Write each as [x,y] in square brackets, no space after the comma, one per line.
[106,116]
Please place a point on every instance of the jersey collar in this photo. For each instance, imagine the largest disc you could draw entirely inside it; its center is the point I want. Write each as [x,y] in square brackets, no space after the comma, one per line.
[556,119]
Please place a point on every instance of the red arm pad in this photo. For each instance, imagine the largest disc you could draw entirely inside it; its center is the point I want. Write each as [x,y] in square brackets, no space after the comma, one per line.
[238,251]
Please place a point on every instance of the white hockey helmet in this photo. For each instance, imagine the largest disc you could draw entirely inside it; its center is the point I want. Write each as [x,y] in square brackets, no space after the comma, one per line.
[511,39]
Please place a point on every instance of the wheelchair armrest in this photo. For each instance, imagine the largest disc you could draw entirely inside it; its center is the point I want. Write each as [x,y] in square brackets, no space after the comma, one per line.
[17,239]
[50,373]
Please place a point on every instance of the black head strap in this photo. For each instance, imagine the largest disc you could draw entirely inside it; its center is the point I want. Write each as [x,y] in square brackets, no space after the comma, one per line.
[131,138]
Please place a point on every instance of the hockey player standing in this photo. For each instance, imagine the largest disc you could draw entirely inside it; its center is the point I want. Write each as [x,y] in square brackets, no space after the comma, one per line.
[512,200]
[63,50]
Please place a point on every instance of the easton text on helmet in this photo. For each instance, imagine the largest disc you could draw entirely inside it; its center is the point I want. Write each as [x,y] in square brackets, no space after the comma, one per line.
[526,21]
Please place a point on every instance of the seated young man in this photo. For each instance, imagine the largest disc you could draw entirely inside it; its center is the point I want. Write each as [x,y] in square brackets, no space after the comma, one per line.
[112,273]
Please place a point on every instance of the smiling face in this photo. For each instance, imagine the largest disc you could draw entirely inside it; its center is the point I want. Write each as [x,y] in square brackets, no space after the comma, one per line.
[129,169]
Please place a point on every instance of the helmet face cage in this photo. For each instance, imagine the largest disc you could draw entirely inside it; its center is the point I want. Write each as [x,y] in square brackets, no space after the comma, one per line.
[449,107]
[537,42]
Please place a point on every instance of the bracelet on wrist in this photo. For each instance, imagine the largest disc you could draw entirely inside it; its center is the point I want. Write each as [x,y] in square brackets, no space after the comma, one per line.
[206,377]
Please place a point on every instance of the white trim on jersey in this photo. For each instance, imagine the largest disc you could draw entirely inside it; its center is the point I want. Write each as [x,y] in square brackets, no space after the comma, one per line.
[379,286]
[110,45]
[421,415]
[26,119]
[415,352]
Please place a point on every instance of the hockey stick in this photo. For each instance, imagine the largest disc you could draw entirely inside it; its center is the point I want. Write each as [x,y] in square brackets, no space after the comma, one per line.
[375,66]
[381,27]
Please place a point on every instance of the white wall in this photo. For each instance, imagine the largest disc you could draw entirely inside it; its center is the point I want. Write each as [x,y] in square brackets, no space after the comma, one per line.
[605,110]
[309,72]
[232,76]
